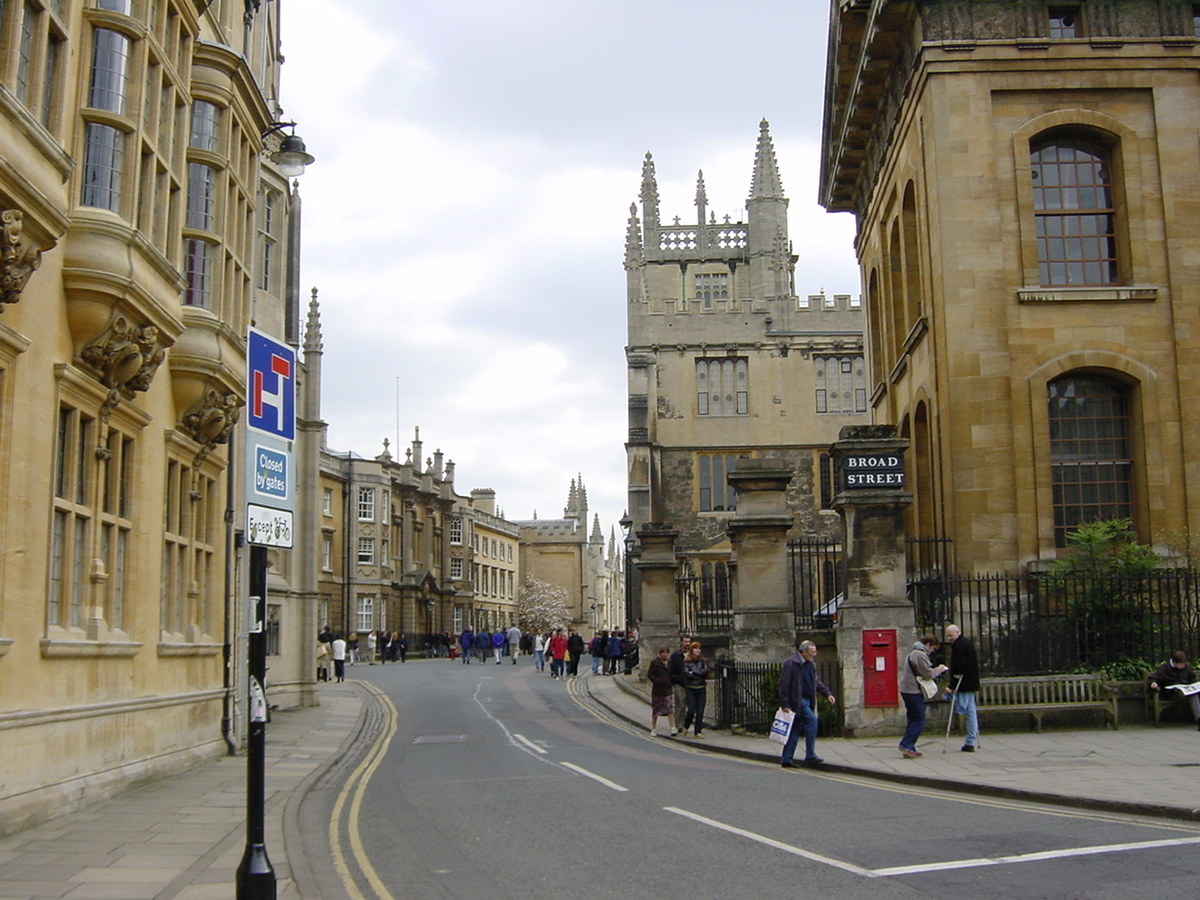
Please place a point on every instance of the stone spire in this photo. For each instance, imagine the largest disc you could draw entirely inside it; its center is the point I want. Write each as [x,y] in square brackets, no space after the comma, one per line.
[312,331]
[597,535]
[572,500]
[766,184]
[766,211]
[701,199]
[649,197]
[633,239]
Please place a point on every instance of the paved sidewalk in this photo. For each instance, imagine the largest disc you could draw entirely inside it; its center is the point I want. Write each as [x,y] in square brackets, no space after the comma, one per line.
[1138,769]
[182,837]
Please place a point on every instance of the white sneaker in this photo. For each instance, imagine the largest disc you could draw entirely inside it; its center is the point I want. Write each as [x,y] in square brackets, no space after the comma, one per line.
[653,732]
[674,731]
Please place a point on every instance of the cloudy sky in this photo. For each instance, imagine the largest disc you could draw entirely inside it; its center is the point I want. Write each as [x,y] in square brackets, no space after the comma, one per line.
[465,220]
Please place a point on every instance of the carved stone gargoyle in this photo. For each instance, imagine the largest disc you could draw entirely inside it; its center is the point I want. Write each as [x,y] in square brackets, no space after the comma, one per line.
[16,264]
[211,421]
[126,356]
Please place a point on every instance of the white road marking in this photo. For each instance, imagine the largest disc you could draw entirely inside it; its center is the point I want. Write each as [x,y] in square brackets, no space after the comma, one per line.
[528,743]
[1041,856]
[604,781]
[771,842]
[1065,853]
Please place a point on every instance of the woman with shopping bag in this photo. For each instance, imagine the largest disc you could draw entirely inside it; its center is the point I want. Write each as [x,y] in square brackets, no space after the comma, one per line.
[916,683]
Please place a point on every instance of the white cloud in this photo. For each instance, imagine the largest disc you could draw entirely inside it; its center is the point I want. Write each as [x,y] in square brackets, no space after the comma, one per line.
[465,219]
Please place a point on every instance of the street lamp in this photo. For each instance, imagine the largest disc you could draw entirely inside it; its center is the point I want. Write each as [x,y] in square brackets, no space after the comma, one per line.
[291,157]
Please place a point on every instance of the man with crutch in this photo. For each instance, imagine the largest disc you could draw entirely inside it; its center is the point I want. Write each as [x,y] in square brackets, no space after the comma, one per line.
[964,682]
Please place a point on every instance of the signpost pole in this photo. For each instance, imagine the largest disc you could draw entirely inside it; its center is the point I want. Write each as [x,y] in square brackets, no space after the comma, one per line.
[271,426]
[255,874]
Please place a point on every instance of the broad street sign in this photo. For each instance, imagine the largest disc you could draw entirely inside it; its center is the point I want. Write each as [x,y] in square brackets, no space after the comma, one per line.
[271,429]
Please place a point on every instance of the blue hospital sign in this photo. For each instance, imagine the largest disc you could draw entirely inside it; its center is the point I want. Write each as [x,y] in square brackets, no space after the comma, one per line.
[269,476]
[271,381]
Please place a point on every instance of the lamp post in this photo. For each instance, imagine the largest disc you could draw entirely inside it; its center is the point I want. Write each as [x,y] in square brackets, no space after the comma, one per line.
[271,367]
[626,524]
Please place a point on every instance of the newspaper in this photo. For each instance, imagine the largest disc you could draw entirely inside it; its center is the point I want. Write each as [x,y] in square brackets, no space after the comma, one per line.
[1186,689]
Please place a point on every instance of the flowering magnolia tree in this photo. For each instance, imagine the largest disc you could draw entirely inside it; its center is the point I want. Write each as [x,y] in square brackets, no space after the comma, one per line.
[542,605]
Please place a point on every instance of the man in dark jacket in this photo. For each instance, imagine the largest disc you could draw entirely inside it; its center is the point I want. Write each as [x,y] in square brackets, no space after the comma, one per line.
[798,689]
[1177,671]
[575,647]
[964,682]
[675,667]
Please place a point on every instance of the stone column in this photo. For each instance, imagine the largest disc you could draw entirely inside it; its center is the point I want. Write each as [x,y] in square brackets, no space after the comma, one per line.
[660,612]
[764,623]
[869,461]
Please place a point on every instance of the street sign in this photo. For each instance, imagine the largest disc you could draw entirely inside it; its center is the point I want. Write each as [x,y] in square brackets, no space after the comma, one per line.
[268,527]
[271,425]
[271,380]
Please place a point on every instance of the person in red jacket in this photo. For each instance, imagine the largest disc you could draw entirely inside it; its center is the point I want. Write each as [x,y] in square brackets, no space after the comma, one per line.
[558,653]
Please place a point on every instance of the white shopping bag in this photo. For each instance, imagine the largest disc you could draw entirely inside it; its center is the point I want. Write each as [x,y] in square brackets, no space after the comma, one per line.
[781,726]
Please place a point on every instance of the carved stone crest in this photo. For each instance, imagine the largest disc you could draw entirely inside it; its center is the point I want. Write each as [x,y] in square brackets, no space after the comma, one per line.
[16,265]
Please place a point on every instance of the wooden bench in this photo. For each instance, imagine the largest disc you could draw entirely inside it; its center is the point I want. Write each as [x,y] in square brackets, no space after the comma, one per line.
[1040,694]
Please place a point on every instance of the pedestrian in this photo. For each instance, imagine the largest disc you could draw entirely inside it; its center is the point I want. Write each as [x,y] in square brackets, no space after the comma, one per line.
[695,683]
[402,647]
[629,651]
[322,661]
[539,650]
[558,653]
[394,652]
[498,642]
[798,689]
[352,648]
[514,643]
[917,665]
[575,648]
[385,640]
[338,646]
[662,700]
[675,666]
[964,683]
[372,643]
[466,641]
[596,648]
[612,653]
[1177,671]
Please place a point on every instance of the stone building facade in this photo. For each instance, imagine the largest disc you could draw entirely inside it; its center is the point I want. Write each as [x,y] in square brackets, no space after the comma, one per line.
[402,551]
[1023,176]
[145,228]
[727,363]
[564,553]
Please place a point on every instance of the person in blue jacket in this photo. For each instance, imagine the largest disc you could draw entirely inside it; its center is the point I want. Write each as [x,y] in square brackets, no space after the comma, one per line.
[466,641]
[498,640]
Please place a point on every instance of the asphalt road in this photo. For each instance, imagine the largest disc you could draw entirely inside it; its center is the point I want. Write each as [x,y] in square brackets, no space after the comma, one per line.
[491,782]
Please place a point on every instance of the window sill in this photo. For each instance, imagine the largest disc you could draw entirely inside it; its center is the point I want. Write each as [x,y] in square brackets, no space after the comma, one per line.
[5,643]
[171,648]
[1138,293]
[79,647]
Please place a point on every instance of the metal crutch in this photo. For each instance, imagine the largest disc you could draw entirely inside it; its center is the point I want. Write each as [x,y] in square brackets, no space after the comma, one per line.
[950,715]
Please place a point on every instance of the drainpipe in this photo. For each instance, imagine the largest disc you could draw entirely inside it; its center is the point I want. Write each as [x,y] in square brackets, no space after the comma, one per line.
[231,543]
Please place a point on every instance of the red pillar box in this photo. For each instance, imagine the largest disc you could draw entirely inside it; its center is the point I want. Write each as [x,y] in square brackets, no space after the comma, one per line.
[881,686]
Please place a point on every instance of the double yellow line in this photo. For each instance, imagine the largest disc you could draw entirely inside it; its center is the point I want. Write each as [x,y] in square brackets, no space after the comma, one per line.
[353,791]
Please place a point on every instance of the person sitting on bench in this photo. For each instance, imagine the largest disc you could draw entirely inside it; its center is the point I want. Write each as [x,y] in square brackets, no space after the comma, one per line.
[1177,671]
